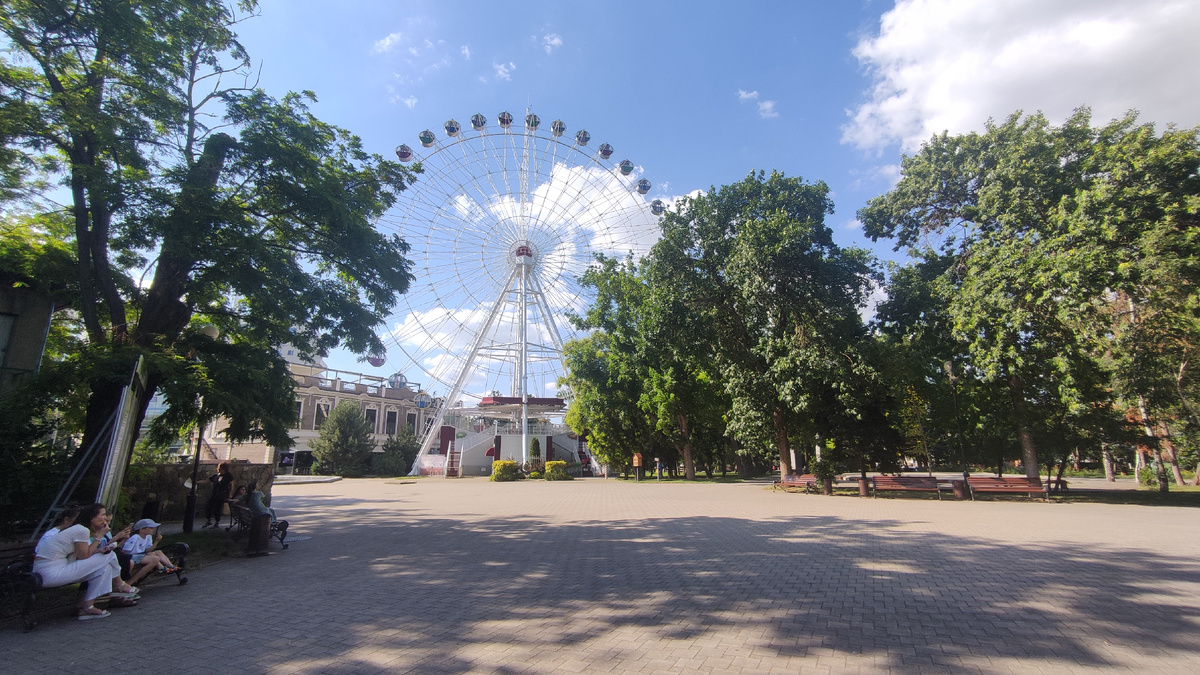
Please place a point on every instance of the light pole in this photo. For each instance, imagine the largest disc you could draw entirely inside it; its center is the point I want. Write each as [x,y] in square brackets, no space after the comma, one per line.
[189,509]
[962,453]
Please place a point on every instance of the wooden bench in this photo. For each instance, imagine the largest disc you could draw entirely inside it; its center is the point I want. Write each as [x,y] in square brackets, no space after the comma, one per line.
[906,484]
[241,518]
[1014,485]
[807,482]
[18,581]
[20,584]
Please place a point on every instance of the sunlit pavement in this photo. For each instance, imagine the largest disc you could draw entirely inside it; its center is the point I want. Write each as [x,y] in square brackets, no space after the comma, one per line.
[456,576]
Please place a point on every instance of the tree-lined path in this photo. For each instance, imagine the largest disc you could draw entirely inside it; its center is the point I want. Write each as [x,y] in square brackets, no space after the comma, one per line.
[434,576]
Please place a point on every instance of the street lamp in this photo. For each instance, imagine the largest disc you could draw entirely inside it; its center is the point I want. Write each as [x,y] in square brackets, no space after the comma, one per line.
[189,509]
[949,368]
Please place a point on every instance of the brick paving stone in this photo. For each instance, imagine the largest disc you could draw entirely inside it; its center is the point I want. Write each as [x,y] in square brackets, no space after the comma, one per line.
[467,576]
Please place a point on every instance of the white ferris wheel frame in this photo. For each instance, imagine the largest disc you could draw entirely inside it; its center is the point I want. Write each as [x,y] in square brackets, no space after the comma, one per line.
[528,235]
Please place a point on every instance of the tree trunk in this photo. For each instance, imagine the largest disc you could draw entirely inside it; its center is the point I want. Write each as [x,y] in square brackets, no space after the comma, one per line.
[781,441]
[1148,428]
[1016,391]
[689,468]
[1169,449]
[1109,475]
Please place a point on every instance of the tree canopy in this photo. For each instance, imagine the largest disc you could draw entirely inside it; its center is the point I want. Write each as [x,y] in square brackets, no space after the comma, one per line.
[245,211]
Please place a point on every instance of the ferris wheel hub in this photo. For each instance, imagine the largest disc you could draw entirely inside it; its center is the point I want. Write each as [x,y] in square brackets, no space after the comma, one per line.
[522,254]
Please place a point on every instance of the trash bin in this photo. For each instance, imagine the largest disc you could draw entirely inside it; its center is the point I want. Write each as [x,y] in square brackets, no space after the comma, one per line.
[864,487]
[259,535]
[960,489]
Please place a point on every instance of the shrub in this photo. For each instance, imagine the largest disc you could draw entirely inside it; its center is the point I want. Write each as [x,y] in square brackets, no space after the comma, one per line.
[535,449]
[536,475]
[1148,476]
[504,470]
[823,469]
[557,471]
[344,444]
[398,454]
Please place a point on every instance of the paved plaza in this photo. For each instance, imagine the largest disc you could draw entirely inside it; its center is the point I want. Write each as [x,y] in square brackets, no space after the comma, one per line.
[467,576]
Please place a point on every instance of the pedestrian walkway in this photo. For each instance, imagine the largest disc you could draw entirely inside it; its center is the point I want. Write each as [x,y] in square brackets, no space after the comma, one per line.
[467,576]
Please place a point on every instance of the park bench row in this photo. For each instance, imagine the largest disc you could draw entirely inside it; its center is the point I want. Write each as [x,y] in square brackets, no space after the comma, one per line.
[1004,484]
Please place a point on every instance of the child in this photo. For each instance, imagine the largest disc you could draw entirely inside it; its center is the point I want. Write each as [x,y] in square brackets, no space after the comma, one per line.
[141,547]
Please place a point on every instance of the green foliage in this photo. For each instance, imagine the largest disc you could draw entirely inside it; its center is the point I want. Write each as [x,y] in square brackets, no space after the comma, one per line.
[344,444]
[557,471]
[1054,266]
[505,470]
[823,469]
[1147,476]
[398,454]
[263,227]
[535,449]
[536,475]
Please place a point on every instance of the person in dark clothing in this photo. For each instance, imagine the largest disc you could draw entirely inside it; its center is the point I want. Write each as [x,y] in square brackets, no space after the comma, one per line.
[222,482]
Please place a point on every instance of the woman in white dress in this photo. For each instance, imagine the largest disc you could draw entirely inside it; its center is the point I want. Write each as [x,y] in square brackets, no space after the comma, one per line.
[78,554]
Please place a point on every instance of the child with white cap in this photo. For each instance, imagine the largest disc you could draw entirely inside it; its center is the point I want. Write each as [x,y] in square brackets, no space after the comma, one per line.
[141,547]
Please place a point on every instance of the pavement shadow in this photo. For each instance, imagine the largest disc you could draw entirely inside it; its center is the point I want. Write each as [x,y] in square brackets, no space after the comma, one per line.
[443,595]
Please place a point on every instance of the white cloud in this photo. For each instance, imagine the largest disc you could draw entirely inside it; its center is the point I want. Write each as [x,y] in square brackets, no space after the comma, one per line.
[951,64]
[388,43]
[744,95]
[551,41]
[465,51]
[504,70]
[410,101]
[766,110]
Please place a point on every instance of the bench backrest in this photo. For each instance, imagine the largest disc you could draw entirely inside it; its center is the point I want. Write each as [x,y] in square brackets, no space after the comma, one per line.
[802,478]
[19,555]
[905,482]
[1005,481]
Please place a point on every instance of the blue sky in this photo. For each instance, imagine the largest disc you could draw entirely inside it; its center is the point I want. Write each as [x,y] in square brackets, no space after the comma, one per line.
[698,94]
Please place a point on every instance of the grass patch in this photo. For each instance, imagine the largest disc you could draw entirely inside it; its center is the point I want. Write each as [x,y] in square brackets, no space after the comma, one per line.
[207,546]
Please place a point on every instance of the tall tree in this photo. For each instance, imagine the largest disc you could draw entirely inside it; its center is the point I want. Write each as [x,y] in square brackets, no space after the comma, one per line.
[990,199]
[756,262]
[263,227]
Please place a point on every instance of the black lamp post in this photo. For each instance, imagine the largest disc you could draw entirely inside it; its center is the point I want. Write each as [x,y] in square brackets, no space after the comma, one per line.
[962,452]
[189,509]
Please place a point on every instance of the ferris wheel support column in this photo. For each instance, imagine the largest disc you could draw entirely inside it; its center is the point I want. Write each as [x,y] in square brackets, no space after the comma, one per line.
[524,328]
[436,427]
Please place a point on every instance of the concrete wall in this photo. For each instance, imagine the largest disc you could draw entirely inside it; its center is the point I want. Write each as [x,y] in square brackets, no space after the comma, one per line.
[167,482]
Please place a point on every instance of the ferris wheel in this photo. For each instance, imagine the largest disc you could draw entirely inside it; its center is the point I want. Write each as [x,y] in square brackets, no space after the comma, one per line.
[503,220]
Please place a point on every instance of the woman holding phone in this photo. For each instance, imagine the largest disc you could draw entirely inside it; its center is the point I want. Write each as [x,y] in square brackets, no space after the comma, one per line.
[79,554]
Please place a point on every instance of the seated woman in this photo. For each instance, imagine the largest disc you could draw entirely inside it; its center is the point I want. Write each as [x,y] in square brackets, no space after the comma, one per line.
[76,555]
[65,520]
[254,501]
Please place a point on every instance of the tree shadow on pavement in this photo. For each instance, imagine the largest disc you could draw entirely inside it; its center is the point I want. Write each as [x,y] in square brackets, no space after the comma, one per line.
[452,595]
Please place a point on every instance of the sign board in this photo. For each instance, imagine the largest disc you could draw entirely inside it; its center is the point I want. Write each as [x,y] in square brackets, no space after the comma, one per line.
[123,438]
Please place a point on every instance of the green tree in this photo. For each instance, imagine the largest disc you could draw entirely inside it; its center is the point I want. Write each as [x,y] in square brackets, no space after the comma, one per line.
[263,227]
[990,198]
[756,262]
[344,443]
[399,452]
[1062,239]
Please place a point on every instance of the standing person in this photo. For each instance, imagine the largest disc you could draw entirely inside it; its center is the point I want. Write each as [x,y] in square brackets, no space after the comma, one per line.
[222,482]
[75,555]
